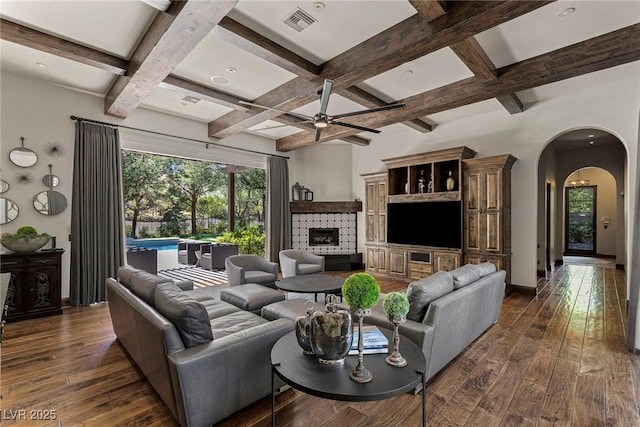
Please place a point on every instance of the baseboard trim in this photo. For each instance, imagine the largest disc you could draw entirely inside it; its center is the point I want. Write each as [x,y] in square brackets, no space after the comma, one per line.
[523,289]
[559,262]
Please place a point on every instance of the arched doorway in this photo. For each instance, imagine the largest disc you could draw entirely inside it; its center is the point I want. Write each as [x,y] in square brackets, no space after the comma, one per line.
[598,156]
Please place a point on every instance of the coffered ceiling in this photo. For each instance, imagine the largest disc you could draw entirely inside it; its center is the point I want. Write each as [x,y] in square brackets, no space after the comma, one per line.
[199,59]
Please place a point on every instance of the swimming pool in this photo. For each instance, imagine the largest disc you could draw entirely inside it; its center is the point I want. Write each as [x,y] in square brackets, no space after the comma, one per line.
[163,244]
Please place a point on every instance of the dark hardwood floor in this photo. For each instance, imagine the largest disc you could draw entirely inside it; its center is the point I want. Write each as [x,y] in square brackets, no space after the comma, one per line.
[555,359]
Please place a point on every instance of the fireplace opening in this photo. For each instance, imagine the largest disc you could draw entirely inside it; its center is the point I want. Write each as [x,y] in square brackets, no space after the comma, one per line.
[324,237]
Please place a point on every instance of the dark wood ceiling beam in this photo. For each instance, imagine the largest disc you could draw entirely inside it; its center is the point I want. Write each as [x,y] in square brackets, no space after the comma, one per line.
[364,98]
[599,53]
[404,42]
[429,9]
[171,37]
[18,34]
[511,103]
[245,38]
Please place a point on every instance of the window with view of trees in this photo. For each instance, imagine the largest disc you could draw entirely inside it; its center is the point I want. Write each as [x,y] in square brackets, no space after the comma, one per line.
[173,197]
[580,219]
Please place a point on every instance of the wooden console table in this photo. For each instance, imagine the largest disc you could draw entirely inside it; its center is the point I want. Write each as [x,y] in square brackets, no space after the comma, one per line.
[35,284]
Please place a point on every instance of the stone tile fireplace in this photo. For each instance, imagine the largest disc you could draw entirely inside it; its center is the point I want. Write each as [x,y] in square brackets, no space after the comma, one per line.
[324,233]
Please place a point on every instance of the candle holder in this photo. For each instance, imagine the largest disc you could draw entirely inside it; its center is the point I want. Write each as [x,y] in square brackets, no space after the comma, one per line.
[395,359]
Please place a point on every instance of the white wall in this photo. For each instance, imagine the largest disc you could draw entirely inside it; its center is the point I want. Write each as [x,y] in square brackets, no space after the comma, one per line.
[41,113]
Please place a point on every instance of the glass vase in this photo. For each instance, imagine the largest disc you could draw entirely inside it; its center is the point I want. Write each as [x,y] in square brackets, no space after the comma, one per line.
[331,333]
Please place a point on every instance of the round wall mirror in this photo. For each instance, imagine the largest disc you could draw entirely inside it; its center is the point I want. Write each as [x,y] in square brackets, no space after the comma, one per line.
[50,202]
[8,210]
[4,186]
[51,180]
[23,157]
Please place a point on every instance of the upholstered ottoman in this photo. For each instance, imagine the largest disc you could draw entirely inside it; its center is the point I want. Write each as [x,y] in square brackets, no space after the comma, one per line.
[251,297]
[288,309]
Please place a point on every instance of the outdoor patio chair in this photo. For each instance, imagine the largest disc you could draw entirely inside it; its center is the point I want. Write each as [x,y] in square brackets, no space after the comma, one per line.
[213,255]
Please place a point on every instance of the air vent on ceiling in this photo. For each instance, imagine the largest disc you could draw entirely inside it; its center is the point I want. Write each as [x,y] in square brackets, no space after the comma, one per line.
[299,19]
[191,99]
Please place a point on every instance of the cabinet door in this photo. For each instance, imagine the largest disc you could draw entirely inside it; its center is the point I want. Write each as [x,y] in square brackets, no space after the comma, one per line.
[473,210]
[493,211]
[382,212]
[370,227]
[382,260]
[371,197]
[15,292]
[445,261]
[41,289]
[398,262]
[372,259]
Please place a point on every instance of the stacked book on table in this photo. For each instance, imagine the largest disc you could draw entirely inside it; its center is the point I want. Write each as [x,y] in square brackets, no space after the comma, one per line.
[373,341]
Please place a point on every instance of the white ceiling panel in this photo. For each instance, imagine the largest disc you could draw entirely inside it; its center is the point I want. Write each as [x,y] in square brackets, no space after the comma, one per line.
[420,75]
[338,27]
[470,110]
[544,30]
[110,26]
[252,77]
[172,102]
[24,61]
[273,129]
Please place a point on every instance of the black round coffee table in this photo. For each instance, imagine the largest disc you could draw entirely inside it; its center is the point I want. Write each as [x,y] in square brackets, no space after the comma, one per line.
[311,284]
[306,374]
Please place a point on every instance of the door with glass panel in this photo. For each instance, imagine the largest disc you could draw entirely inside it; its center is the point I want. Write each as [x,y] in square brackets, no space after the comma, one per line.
[580,220]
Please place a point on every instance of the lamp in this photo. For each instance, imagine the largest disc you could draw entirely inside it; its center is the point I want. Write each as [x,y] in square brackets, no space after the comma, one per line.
[578,182]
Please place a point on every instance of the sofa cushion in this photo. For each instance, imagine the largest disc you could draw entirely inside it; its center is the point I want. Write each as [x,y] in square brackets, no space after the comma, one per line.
[126,273]
[309,268]
[144,285]
[235,322]
[486,268]
[188,315]
[257,276]
[462,276]
[420,293]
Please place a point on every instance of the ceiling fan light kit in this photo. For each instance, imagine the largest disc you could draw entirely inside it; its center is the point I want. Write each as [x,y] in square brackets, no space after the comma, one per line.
[321,119]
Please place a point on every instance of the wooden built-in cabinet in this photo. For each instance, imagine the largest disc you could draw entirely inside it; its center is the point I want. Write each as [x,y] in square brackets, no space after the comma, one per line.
[484,186]
[35,284]
[487,211]
[376,221]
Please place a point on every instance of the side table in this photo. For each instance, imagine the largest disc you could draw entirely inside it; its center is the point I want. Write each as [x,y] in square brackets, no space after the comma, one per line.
[306,374]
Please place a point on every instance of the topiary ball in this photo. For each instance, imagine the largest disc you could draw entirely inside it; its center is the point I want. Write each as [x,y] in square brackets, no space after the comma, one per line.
[361,290]
[396,304]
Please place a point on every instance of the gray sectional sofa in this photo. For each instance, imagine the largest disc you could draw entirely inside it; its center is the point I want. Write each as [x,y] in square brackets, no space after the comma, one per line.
[448,311]
[204,357]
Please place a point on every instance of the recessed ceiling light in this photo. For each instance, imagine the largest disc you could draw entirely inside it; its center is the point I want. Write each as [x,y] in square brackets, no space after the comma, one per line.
[408,72]
[567,11]
[231,70]
[591,142]
[220,80]
[590,135]
[41,65]
[319,6]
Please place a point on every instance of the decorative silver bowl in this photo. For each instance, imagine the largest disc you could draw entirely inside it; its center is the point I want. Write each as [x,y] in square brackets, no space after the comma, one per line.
[25,245]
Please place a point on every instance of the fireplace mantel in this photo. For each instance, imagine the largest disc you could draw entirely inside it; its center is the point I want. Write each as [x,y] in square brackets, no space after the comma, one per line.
[325,207]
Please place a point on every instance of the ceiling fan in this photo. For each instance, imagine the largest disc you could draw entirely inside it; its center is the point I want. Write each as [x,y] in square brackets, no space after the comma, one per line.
[321,119]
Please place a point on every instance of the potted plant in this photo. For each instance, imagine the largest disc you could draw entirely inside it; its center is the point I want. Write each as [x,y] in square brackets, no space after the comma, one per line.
[26,239]
[396,304]
[361,291]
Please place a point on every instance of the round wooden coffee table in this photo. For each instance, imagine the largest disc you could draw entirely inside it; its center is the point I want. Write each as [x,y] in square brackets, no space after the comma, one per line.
[311,284]
[306,374]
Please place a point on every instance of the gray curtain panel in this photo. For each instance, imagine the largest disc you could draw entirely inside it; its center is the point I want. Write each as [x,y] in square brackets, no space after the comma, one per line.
[97,215]
[634,269]
[278,218]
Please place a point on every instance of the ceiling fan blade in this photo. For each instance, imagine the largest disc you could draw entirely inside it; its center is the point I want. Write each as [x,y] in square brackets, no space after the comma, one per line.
[324,99]
[318,131]
[291,113]
[283,125]
[371,110]
[349,125]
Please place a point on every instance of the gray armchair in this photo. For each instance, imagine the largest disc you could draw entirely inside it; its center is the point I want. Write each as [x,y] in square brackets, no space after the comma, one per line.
[242,269]
[295,263]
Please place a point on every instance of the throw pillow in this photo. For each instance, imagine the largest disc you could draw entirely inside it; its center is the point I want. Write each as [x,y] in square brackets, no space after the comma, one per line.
[422,292]
[188,315]
[486,268]
[464,275]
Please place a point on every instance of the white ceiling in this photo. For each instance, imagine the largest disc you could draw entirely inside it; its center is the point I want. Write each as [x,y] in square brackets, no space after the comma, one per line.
[115,27]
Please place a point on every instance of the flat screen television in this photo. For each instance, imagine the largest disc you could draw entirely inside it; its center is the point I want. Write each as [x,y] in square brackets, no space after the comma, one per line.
[437,224]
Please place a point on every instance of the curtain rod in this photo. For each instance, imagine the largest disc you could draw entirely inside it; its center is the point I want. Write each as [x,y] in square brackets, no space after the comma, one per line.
[246,150]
